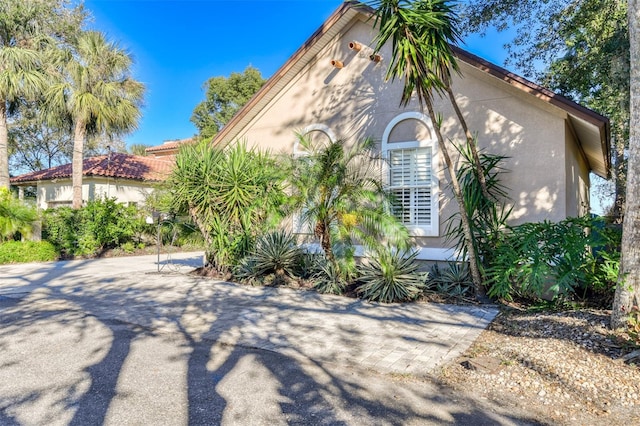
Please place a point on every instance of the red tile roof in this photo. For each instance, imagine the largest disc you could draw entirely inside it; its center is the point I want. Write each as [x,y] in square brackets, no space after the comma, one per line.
[167,146]
[116,165]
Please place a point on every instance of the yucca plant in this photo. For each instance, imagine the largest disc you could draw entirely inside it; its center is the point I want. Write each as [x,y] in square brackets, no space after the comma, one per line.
[233,194]
[390,276]
[276,253]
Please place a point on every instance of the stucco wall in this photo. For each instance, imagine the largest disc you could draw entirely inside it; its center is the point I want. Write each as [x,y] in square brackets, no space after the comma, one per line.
[356,102]
[577,174]
[60,193]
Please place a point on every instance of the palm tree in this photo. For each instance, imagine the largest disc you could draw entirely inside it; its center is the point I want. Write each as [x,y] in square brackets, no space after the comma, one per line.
[28,28]
[421,34]
[339,193]
[96,95]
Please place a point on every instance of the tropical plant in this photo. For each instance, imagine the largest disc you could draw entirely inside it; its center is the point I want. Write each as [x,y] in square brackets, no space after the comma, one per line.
[233,195]
[487,216]
[338,191]
[329,277]
[15,216]
[422,34]
[276,253]
[390,276]
[94,95]
[543,260]
[26,31]
[454,281]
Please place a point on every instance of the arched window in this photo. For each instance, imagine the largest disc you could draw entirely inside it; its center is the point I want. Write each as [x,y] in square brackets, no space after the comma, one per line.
[410,147]
[317,132]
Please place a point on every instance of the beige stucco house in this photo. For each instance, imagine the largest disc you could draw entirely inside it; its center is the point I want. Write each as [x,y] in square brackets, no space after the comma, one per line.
[330,90]
[128,178]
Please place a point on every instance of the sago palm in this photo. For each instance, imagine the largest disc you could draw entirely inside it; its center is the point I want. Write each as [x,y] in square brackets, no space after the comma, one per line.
[338,191]
[421,34]
[95,94]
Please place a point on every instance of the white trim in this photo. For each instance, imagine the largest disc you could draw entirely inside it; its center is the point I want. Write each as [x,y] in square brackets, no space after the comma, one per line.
[424,253]
[432,230]
[316,127]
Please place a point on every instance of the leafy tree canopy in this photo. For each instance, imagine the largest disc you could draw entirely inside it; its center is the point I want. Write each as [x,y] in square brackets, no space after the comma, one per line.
[224,97]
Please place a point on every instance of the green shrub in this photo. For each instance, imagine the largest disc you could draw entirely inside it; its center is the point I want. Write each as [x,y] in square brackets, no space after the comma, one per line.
[16,218]
[61,227]
[391,276]
[110,223]
[552,260]
[101,224]
[27,251]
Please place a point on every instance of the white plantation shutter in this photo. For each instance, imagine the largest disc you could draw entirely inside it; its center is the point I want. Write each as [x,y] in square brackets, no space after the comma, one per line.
[410,182]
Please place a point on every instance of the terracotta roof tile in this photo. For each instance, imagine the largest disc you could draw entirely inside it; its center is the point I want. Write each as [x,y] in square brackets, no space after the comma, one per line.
[168,145]
[116,165]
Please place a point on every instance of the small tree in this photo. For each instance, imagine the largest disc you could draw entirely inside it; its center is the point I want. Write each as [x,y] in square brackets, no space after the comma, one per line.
[339,193]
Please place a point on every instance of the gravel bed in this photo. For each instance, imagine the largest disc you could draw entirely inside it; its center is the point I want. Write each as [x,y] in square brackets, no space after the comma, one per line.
[563,368]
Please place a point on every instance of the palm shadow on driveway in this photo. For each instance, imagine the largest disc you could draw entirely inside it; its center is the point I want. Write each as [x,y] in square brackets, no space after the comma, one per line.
[204,318]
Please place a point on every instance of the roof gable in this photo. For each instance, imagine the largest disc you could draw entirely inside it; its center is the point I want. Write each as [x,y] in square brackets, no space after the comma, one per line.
[591,129]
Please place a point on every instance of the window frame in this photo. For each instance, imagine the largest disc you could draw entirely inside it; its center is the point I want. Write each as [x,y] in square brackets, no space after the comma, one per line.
[433,229]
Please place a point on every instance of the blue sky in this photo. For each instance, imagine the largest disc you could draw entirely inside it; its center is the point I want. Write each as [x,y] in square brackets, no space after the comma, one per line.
[178,44]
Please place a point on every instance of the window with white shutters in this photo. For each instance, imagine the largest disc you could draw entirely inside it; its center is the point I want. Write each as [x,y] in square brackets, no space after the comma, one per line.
[410,176]
[410,183]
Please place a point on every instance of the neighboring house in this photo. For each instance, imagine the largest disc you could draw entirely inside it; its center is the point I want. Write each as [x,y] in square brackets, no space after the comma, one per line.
[128,178]
[167,149]
[552,143]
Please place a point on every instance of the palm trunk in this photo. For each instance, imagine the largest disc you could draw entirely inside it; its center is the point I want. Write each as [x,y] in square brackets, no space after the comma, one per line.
[4,146]
[322,231]
[628,289]
[470,143]
[466,225]
[76,165]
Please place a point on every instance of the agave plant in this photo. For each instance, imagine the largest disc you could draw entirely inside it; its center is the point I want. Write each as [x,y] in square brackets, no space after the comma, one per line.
[275,253]
[329,278]
[455,281]
[391,276]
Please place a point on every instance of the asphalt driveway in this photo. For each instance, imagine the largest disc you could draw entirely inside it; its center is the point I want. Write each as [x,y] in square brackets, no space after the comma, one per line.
[114,341]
